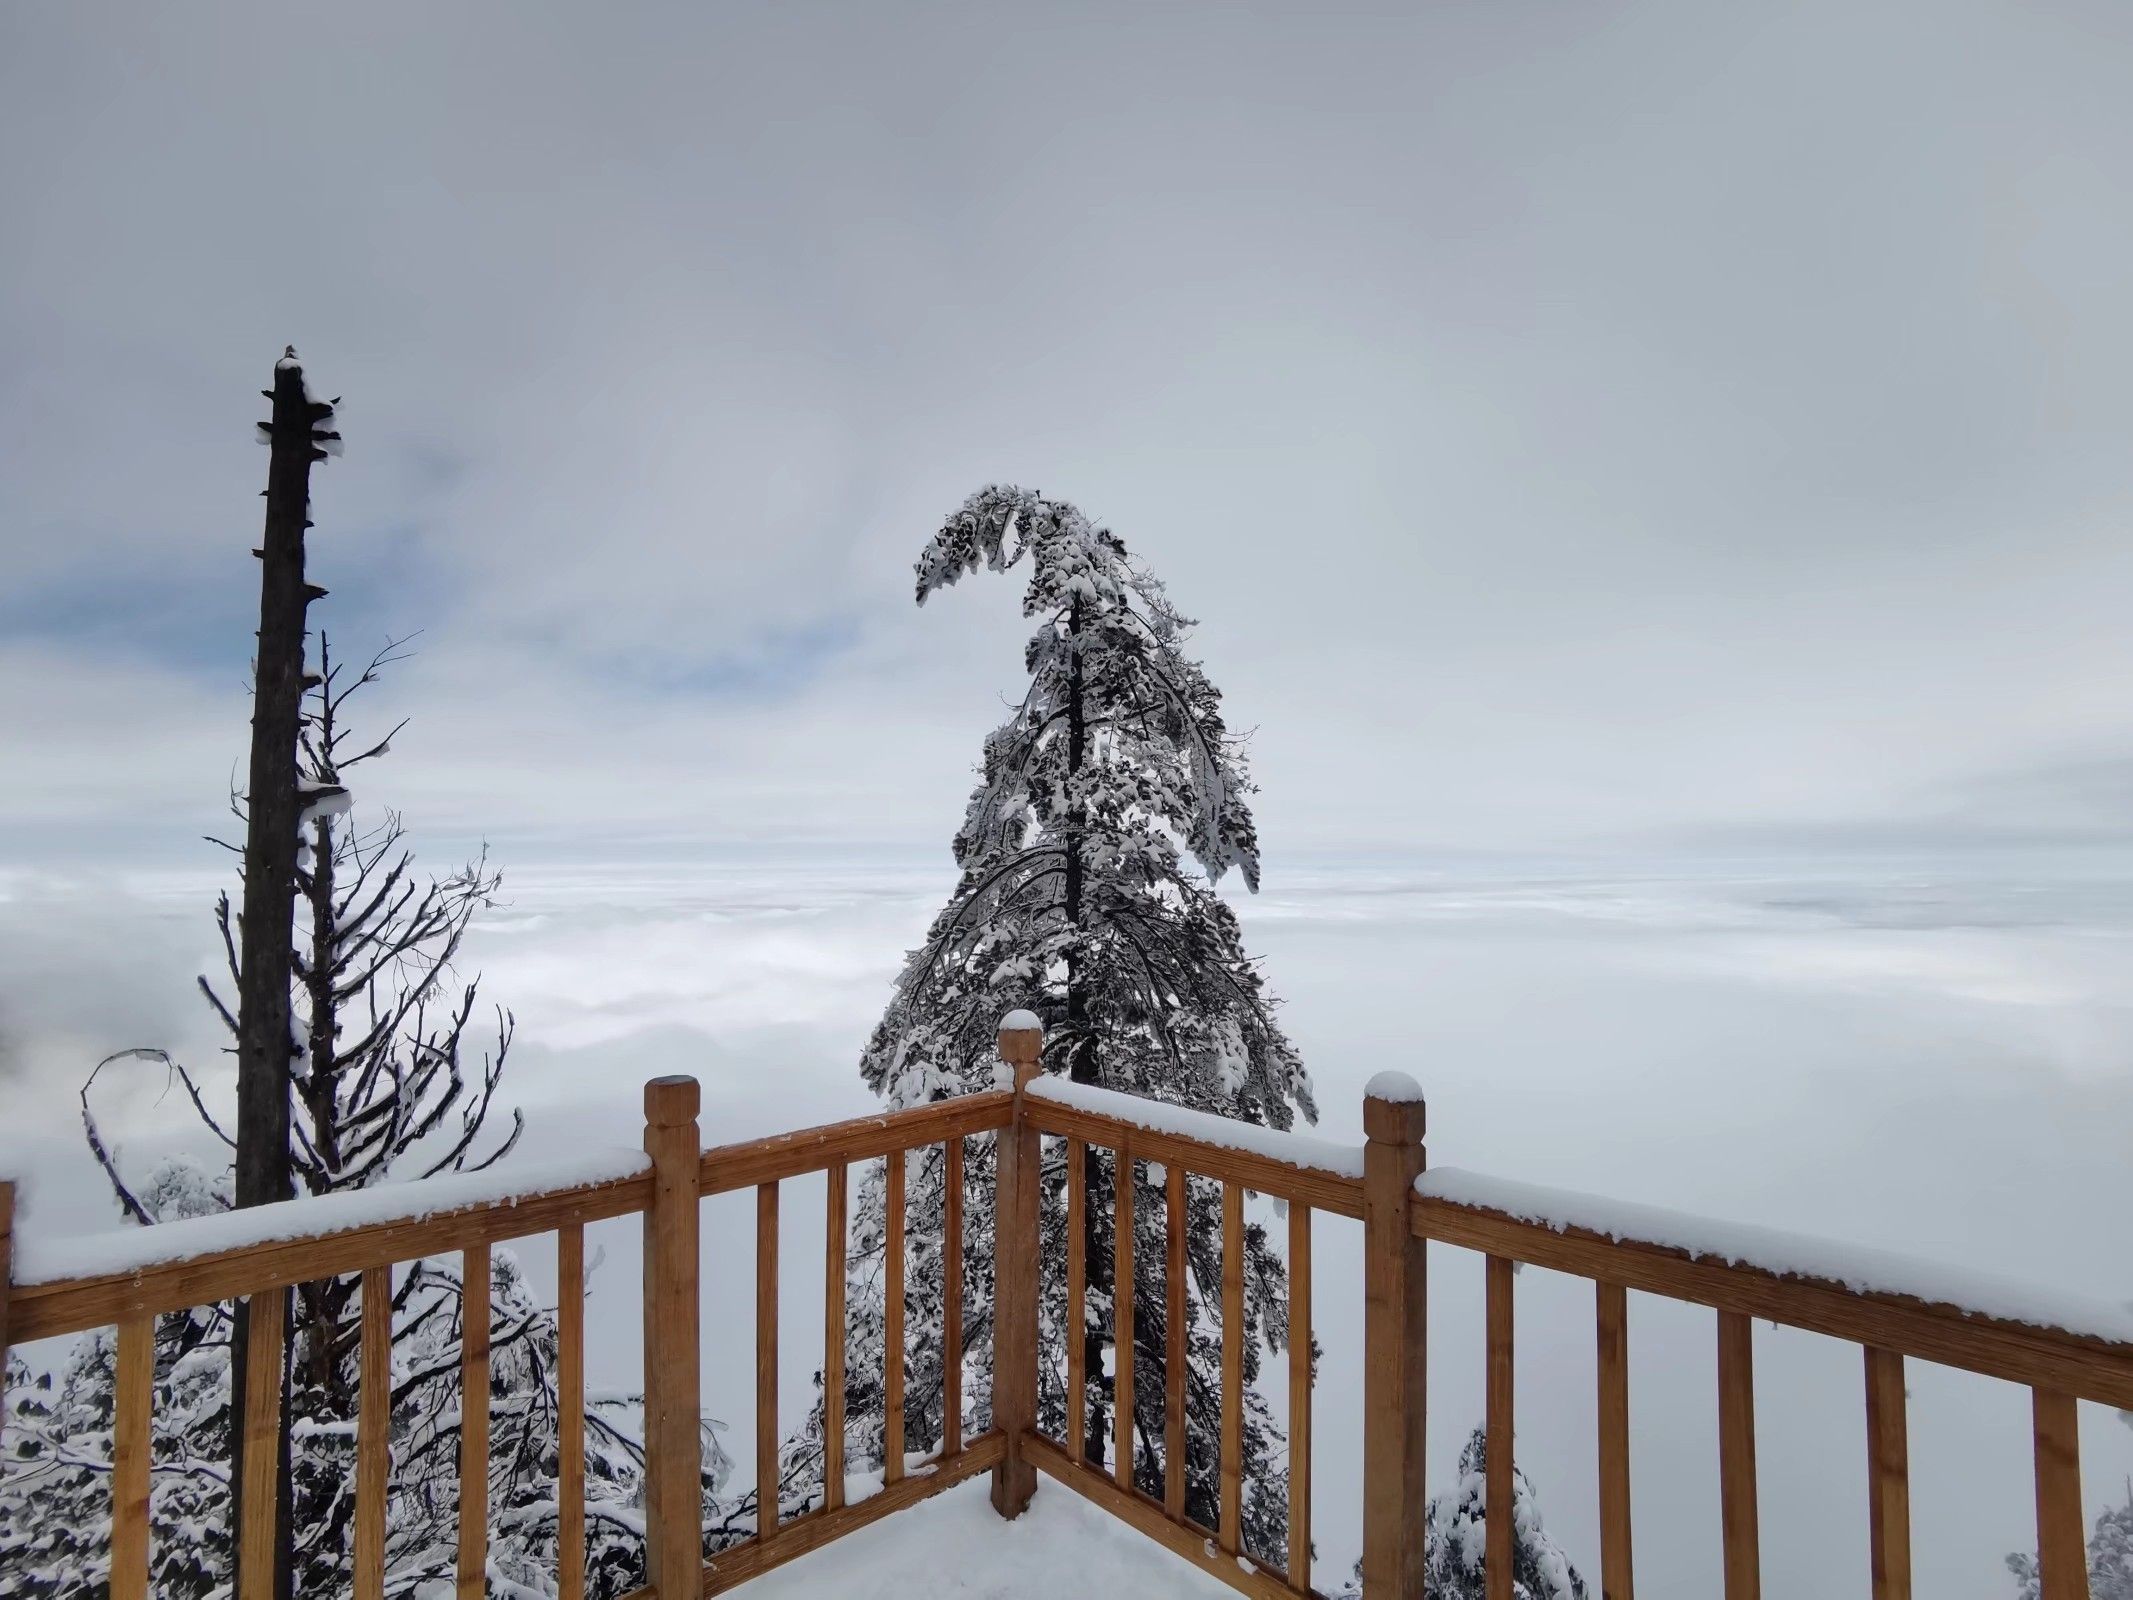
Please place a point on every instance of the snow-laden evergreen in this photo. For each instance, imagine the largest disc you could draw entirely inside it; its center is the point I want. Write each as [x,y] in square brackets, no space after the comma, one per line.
[1456,1540]
[390,1085]
[1108,805]
[2110,1558]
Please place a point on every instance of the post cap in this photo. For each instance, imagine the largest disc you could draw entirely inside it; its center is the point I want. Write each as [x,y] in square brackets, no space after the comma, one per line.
[671,1101]
[1021,1044]
[1393,1109]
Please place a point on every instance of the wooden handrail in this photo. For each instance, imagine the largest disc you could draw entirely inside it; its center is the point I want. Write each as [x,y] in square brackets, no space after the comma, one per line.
[1311,1186]
[794,1155]
[2047,1358]
[75,1305]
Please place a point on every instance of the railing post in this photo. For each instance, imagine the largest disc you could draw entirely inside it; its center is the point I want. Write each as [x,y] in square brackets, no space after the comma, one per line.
[673,1440]
[1014,1312]
[1394,1330]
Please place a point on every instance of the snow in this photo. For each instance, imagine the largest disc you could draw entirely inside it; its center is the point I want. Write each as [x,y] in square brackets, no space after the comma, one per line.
[1859,1268]
[1395,1086]
[43,1259]
[332,801]
[1292,1149]
[1021,1022]
[956,1547]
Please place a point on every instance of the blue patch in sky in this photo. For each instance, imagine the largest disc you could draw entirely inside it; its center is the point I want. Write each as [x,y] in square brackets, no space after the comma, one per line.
[775,662]
[198,616]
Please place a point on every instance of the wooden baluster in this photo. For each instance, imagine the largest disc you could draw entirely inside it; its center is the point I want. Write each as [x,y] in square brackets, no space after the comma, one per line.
[374,1412]
[952,1300]
[570,1411]
[2062,1558]
[1232,1529]
[1077,1309]
[1888,1475]
[1612,1302]
[1174,1356]
[268,1313]
[833,1346]
[474,1422]
[1736,1455]
[133,1405]
[1395,1359]
[673,1434]
[1501,1389]
[766,1359]
[892,1339]
[1015,1245]
[1299,1398]
[1122,1325]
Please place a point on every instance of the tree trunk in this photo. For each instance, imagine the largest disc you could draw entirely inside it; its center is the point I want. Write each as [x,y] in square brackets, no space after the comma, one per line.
[264,1048]
[1081,1045]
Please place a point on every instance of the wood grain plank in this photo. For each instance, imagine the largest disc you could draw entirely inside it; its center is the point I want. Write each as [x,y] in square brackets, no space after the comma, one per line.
[1137,1510]
[132,1446]
[1122,1417]
[1232,1465]
[794,1155]
[570,1411]
[673,1379]
[2062,1559]
[833,1344]
[1888,1475]
[766,1357]
[474,1423]
[1736,1456]
[1077,1308]
[1175,1360]
[74,1305]
[262,1428]
[1017,1238]
[892,1339]
[374,1409]
[952,1298]
[1501,1496]
[2093,1369]
[1395,1349]
[1312,1186]
[734,1567]
[1300,1398]
[1611,1302]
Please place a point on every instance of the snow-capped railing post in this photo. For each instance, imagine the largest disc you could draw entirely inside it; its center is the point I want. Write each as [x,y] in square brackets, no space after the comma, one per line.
[1014,1367]
[673,1437]
[1395,1300]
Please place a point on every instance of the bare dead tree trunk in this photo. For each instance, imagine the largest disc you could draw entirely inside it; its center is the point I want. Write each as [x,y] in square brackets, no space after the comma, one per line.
[273,809]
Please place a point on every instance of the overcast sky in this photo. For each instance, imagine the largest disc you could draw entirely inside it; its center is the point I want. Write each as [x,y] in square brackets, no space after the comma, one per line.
[1575,424]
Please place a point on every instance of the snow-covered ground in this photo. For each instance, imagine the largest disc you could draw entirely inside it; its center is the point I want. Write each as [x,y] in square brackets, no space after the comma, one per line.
[1928,1057]
[955,1546]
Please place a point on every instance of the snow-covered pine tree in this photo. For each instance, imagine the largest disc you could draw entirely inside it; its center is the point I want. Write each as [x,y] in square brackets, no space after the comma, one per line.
[390,1086]
[2110,1558]
[1456,1538]
[1108,805]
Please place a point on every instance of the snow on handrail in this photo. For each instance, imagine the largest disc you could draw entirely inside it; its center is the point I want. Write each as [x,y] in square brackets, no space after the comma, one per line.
[42,1258]
[1274,1144]
[1858,1268]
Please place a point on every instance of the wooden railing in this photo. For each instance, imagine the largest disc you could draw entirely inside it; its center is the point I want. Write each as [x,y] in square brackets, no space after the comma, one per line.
[259,1255]
[1309,1176]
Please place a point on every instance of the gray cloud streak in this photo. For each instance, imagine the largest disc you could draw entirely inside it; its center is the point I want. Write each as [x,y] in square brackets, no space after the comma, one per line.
[1570,424]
